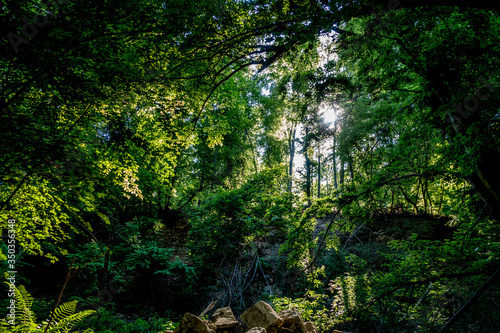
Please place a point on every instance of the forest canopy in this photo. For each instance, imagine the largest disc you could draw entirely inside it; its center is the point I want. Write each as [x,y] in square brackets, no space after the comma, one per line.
[344,154]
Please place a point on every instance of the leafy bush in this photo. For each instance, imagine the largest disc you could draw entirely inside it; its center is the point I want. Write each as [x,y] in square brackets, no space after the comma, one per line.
[312,307]
[63,319]
[227,223]
[105,321]
[140,266]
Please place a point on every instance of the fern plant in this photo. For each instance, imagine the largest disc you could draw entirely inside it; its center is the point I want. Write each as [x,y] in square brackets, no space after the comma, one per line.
[25,320]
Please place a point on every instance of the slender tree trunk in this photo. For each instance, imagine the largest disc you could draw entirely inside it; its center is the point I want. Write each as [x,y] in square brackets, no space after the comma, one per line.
[341,171]
[422,183]
[334,149]
[319,176]
[308,168]
[291,149]
[335,162]
[407,198]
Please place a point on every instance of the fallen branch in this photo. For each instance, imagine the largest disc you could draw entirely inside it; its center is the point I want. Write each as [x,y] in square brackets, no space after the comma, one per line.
[208,308]
[471,301]
[352,235]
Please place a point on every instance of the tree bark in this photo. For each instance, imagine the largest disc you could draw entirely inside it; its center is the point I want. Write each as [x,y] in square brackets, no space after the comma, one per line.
[351,166]
[319,176]
[291,151]
[308,167]
[334,162]
[342,171]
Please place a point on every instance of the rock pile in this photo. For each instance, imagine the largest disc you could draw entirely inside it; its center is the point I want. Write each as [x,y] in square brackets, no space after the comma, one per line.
[260,318]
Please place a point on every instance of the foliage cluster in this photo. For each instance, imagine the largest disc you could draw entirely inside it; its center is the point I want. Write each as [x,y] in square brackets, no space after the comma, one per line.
[227,223]
[63,318]
[115,115]
[108,321]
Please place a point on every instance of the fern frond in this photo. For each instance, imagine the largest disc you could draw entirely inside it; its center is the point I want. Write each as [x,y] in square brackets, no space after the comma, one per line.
[26,296]
[25,318]
[24,300]
[67,323]
[64,310]
[5,327]
[25,321]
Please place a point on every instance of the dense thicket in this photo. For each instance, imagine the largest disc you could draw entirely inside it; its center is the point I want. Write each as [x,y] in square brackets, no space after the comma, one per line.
[123,122]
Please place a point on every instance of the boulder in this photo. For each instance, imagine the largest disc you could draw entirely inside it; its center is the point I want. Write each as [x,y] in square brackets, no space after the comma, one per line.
[192,324]
[224,318]
[262,315]
[292,320]
[284,330]
[257,330]
[310,327]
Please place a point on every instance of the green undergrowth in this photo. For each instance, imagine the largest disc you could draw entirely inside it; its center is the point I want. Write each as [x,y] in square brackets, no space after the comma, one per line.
[108,321]
[393,271]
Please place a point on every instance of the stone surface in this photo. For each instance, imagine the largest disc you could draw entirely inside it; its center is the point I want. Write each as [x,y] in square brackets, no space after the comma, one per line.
[284,330]
[310,327]
[257,330]
[261,315]
[192,324]
[175,234]
[292,320]
[224,318]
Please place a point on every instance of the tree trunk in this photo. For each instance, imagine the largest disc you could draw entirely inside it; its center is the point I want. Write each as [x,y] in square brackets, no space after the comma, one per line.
[351,167]
[319,176]
[341,171]
[334,162]
[291,151]
[308,167]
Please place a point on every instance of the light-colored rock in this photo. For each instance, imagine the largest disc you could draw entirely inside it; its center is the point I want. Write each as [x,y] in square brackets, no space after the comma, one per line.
[257,330]
[224,318]
[261,315]
[292,320]
[310,327]
[192,324]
